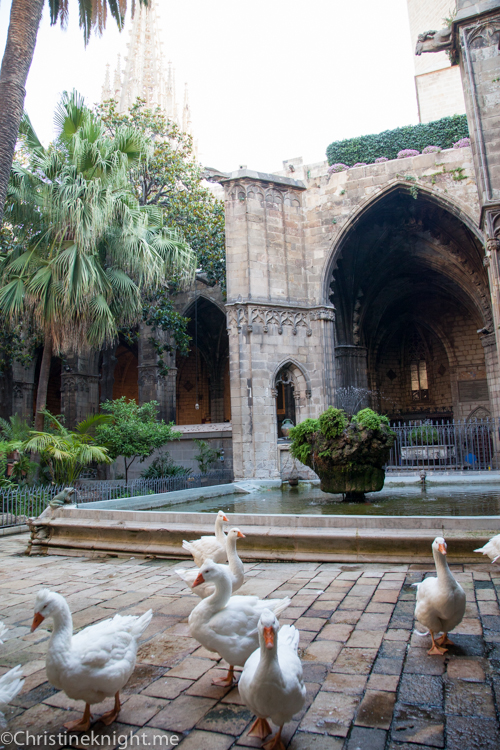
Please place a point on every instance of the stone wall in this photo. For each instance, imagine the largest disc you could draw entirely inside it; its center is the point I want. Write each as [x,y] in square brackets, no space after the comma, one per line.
[285,239]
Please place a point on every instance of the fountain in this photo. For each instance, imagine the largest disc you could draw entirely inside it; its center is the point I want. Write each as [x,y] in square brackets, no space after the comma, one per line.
[348,455]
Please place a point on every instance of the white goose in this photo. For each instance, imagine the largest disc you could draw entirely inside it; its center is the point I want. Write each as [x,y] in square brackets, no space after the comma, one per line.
[94,664]
[235,567]
[209,547]
[10,684]
[440,601]
[3,630]
[491,548]
[271,684]
[228,624]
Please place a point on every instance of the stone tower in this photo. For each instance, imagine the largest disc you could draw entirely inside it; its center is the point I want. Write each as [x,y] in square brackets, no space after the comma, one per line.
[438,84]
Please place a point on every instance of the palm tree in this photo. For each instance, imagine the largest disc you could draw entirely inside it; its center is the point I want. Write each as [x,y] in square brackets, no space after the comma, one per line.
[25,17]
[67,452]
[90,249]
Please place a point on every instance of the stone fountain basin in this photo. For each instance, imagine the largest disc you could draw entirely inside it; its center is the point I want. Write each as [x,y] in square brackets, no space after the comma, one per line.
[340,538]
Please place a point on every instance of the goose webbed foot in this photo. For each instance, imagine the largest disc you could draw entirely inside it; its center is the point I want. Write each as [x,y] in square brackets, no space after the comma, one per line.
[260,728]
[275,743]
[110,716]
[80,725]
[443,640]
[227,681]
[436,650]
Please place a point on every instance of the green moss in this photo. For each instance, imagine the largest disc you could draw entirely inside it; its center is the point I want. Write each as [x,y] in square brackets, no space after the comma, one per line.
[370,419]
[333,422]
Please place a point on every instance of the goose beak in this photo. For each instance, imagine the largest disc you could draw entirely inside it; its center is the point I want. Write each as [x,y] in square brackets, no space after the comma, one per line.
[199,579]
[442,548]
[269,637]
[225,518]
[37,620]
[240,535]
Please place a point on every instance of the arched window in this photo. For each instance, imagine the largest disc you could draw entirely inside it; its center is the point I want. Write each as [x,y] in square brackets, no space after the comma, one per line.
[417,355]
[285,398]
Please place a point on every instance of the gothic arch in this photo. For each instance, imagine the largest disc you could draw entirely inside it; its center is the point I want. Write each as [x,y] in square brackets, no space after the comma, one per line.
[451,205]
[299,378]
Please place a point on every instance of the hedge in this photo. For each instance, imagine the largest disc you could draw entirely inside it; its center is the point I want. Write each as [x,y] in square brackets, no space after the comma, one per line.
[367,148]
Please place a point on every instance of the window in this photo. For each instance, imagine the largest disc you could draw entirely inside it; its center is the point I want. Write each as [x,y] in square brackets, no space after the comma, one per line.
[417,355]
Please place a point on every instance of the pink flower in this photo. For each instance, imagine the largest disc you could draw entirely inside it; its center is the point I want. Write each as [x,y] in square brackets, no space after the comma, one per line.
[406,152]
[431,150]
[381,159]
[462,143]
[338,168]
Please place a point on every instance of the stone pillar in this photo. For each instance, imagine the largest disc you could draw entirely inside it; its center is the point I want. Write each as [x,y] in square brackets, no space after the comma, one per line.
[153,386]
[217,397]
[79,388]
[108,374]
[23,390]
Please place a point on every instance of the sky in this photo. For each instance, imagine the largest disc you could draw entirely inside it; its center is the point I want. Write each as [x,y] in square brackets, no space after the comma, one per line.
[268,80]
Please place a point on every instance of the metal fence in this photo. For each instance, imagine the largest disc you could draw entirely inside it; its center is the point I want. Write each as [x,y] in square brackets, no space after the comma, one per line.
[459,446]
[19,504]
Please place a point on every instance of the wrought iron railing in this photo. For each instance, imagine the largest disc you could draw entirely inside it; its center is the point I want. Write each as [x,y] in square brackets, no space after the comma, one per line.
[460,445]
[19,504]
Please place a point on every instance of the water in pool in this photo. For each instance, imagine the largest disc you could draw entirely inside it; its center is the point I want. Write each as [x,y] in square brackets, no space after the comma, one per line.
[451,500]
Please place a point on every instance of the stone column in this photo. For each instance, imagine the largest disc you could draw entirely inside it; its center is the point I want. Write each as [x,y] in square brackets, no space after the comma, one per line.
[23,390]
[79,388]
[108,373]
[153,385]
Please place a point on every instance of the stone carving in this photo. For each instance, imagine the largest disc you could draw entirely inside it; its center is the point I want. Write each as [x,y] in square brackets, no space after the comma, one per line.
[274,198]
[80,383]
[149,375]
[484,35]
[250,315]
[434,41]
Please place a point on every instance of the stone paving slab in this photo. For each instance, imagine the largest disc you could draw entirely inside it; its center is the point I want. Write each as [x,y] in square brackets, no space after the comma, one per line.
[370,683]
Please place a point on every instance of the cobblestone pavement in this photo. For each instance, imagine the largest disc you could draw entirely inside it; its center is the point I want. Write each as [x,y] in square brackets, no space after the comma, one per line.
[370,683]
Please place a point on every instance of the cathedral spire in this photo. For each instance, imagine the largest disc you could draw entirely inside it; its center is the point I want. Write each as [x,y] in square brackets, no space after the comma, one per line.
[144,72]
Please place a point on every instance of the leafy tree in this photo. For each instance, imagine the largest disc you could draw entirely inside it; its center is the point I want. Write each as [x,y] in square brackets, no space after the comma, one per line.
[67,452]
[169,177]
[25,17]
[134,431]
[91,249]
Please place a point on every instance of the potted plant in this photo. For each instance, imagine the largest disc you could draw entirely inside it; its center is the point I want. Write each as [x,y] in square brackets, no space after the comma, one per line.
[347,455]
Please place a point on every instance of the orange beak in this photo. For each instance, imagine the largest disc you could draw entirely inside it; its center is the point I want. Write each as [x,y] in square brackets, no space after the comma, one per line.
[199,579]
[240,535]
[37,620]
[442,548]
[225,518]
[269,637]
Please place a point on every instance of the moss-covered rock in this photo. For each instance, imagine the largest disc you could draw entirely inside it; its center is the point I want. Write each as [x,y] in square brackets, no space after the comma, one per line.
[348,456]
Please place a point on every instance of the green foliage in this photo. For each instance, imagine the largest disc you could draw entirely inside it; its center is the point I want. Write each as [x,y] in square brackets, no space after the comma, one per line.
[426,434]
[207,456]
[300,448]
[65,452]
[160,314]
[163,466]
[88,249]
[133,431]
[370,419]
[333,422]
[171,179]
[367,148]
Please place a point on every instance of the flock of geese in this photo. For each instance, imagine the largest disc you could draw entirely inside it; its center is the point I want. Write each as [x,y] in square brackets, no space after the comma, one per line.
[97,662]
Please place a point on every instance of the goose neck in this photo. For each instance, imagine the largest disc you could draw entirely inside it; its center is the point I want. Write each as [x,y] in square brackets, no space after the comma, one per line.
[219,531]
[441,563]
[63,627]
[222,593]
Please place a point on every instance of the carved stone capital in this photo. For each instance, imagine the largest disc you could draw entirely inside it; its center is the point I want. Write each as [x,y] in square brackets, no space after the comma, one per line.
[77,382]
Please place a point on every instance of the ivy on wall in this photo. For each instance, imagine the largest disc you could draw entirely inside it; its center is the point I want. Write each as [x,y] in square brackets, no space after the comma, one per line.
[367,148]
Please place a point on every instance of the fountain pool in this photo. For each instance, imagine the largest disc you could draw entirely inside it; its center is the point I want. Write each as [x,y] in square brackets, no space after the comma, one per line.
[448,500]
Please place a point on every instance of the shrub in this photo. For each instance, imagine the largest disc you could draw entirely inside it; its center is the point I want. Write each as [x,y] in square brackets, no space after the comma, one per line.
[370,419]
[462,143]
[431,150]
[406,152]
[360,164]
[338,168]
[426,434]
[333,422]
[300,448]
[367,148]
[163,466]
[207,455]
[381,159]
